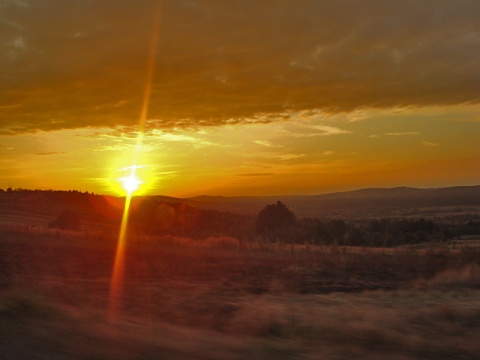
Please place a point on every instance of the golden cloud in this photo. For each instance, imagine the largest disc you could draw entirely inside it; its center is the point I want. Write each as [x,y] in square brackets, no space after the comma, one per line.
[79,64]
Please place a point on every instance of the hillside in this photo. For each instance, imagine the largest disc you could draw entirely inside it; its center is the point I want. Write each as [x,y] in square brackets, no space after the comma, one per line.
[38,208]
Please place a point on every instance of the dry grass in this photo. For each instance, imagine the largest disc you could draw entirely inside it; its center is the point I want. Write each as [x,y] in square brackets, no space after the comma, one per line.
[220,299]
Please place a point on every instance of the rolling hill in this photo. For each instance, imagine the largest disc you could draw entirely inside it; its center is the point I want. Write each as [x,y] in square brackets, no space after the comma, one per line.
[372,201]
[38,208]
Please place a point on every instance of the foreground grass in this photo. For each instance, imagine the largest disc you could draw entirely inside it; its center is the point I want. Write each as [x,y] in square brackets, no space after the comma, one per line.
[217,300]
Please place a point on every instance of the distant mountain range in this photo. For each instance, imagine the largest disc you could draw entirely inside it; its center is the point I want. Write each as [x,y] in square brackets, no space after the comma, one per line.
[39,207]
[374,201]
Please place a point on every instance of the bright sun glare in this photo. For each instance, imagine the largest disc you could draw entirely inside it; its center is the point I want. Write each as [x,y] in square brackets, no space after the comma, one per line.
[131,183]
[128,180]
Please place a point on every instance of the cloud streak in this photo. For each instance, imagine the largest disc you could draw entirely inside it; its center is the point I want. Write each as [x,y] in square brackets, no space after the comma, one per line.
[405,133]
[50,153]
[225,62]
[429,143]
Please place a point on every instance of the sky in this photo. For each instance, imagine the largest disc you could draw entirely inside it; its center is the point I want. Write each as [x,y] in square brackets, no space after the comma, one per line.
[239,97]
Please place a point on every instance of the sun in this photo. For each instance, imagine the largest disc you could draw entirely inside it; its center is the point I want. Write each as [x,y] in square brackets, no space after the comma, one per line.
[131,183]
[136,179]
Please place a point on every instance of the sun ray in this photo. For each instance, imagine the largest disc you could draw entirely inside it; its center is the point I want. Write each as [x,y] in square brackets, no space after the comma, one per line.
[132,182]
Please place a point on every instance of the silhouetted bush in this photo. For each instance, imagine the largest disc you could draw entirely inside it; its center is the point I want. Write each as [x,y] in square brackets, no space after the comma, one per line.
[276,222]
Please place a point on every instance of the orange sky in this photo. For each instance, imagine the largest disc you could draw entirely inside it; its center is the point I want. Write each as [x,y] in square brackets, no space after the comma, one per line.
[248,97]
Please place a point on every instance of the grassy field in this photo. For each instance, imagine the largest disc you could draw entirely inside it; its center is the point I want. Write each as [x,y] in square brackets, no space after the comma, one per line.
[220,299]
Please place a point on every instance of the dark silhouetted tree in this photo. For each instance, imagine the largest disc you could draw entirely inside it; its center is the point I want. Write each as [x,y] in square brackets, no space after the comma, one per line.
[276,222]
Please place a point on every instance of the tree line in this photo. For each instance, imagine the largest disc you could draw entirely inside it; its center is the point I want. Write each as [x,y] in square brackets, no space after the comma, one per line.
[276,223]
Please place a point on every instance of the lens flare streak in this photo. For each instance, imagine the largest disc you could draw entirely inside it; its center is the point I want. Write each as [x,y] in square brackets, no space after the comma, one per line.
[131,183]
[118,274]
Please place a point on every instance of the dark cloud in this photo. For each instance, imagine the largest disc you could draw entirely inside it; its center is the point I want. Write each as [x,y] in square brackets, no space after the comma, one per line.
[83,63]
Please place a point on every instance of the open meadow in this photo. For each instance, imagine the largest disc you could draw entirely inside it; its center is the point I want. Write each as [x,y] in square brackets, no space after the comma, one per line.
[222,299]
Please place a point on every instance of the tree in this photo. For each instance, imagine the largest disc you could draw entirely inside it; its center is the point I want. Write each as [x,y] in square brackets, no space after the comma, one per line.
[275,222]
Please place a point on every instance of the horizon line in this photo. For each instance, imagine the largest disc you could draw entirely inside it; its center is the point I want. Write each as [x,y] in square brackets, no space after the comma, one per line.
[11,189]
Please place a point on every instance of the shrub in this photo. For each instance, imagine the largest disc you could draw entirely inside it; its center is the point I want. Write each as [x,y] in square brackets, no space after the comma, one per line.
[275,221]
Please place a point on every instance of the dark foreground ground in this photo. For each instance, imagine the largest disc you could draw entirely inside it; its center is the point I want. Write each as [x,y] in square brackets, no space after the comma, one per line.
[215,299]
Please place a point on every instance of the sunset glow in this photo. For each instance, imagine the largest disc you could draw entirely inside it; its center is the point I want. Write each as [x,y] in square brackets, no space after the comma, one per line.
[267,99]
[239,179]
